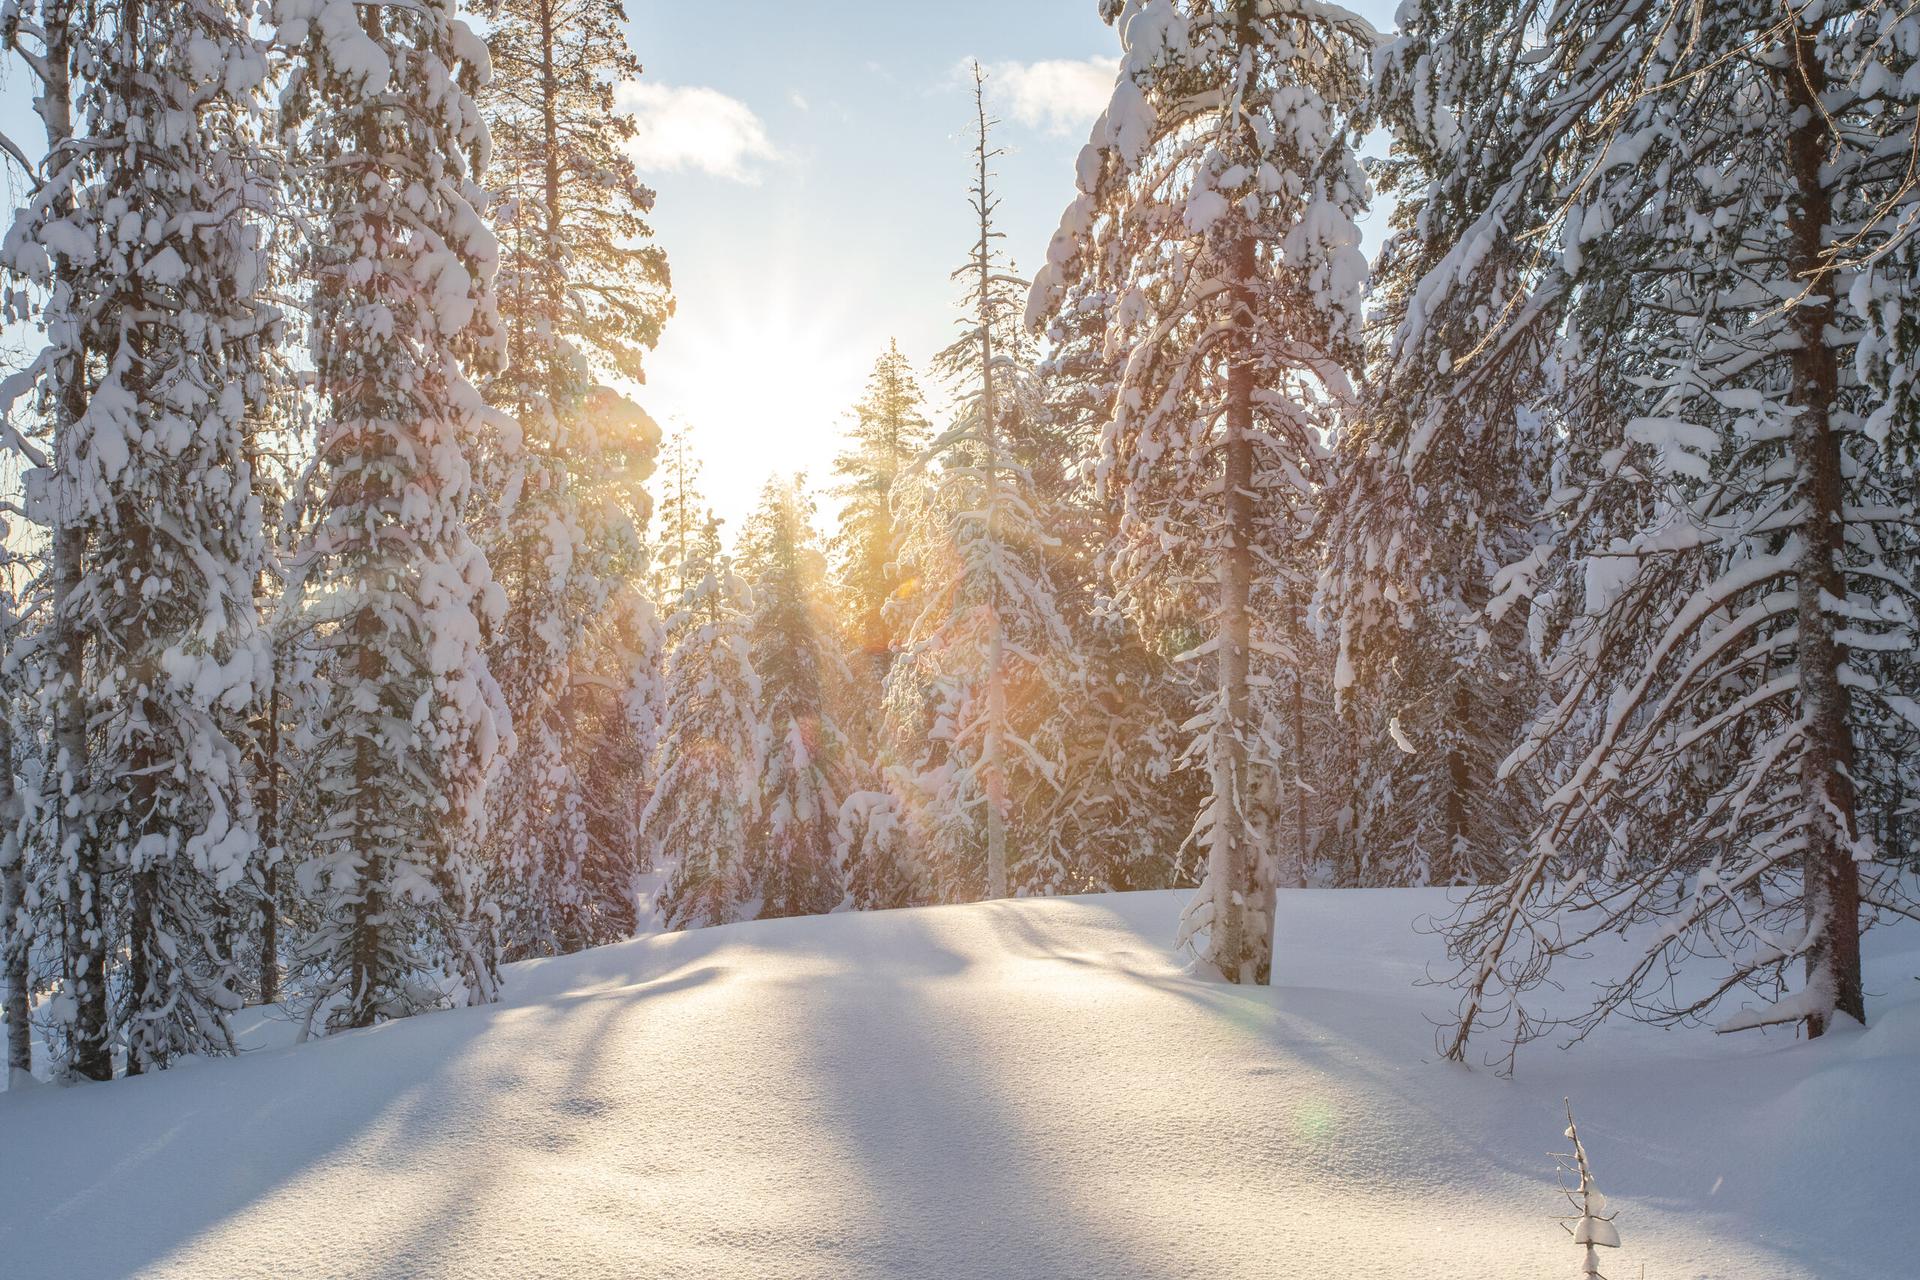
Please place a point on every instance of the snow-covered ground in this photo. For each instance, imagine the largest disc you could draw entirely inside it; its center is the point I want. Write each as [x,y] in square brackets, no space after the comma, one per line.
[1008,1090]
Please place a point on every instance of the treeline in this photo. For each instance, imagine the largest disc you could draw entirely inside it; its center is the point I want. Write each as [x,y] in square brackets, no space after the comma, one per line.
[1564,552]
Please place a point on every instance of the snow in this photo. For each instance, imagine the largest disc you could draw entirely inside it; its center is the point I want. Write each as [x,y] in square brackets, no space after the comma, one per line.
[1014,1089]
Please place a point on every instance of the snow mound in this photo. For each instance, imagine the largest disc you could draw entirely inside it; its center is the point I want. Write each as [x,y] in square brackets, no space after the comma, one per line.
[1031,1089]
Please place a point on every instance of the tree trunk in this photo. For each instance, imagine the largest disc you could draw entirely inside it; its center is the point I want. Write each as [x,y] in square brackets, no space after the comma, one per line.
[1832,880]
[270,842]
[370,908]
[1460,860]
[86,910]
[1241,942]
[15,936]
[991,748]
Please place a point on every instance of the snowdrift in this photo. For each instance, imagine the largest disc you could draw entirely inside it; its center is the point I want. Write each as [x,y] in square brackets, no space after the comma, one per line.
[1029,1089]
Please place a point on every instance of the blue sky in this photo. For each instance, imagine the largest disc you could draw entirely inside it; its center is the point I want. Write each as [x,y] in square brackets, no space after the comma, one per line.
[812,165]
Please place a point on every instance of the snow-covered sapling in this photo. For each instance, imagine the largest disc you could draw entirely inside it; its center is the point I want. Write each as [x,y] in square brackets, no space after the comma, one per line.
[1590,1225]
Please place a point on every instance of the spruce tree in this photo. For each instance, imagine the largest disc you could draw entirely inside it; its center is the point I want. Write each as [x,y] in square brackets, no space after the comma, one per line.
[1217,204]
[47,254]
[155,306]
[986,656]
[686,534]
[582,296]
[806,766]
[1731,622]
[710,758]
[1438,480]
[406,722]
[888,434]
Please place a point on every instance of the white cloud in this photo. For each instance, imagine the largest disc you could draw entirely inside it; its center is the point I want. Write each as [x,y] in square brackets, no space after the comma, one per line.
[1059,95]
[680,127]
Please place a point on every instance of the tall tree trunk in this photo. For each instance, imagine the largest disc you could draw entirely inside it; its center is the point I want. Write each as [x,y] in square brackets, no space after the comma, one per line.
[1242,949]
[15,935]
[1299,783]
[991,748]
[91,1055]
[1460,860]
[1832,880]
[368,973]
[270,841]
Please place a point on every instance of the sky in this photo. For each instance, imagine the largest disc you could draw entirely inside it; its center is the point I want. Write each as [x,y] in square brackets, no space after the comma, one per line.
[812,169]
[812,163]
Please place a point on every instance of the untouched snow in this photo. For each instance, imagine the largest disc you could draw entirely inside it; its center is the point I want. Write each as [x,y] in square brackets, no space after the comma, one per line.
[1028,1089]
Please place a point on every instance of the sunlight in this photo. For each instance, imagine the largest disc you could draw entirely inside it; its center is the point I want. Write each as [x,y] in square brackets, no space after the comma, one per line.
[763,377]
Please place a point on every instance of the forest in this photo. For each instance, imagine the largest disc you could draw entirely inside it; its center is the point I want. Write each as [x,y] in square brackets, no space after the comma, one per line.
[1396,624]
[362,635]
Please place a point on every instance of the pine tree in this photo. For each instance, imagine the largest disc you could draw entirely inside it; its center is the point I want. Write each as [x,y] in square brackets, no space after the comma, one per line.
[876,842]
[686,534]
[18,926]
[1124,805]
[805,771]
[1437,483]
[156,302]
[48,250]
[710,761]
[1216,206]
[986,656]
[582,296]
[1731,622]
[407,721]
[889,433]
[616,708]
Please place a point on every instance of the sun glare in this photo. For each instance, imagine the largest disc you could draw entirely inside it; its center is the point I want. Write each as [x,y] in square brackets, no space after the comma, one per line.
[763,382]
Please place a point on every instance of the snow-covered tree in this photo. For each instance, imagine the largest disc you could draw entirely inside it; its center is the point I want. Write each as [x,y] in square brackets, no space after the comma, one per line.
[886,439]
[1731,603]
[806,766]
[18,925]
[1437,484]
[877,845]
[686,533]
[1124,803]
[145,237]
[1217,203]
[696,821]
[582,296]
[45,255]
[407,722]
[986,657]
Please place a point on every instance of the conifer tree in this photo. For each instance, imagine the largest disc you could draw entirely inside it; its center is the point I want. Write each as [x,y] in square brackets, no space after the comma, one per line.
[582,296]
[155,307]
[1124,804]
[1732,624]
[407,722]
[889,433]
[877,842]
[986,653]
[18,926]
[805,771]
[1217,204]
[1437,482]
[710,758]
[47,251]
[686,534]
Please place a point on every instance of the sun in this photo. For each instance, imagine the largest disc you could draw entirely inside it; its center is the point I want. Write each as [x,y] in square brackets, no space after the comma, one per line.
[763,378]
